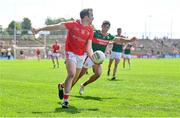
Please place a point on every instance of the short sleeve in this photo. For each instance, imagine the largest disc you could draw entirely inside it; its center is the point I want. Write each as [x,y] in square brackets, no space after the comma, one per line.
[91,34]
[69,24]
[112,37]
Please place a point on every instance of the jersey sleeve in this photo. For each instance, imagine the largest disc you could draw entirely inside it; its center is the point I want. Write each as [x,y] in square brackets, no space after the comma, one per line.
[91,34]
[112,37]
[69,24]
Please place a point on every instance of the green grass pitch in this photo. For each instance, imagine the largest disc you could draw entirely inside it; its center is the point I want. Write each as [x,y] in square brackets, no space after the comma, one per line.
[150,88]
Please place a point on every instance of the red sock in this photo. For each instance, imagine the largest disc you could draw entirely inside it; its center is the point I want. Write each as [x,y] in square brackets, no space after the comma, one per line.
[66,96]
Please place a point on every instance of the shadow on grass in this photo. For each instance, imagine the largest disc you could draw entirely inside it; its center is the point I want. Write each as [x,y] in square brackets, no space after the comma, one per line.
[92,97]
[71,110]
[74,110]
[115,80]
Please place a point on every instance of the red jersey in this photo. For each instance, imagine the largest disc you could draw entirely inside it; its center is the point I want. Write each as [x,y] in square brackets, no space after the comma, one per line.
[56,48]
[77,37]
[38,52]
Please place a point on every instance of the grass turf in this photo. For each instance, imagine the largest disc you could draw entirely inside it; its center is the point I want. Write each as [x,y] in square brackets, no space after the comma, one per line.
[150,88]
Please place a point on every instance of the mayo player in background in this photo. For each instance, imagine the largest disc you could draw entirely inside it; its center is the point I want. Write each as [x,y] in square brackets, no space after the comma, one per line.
[116,54]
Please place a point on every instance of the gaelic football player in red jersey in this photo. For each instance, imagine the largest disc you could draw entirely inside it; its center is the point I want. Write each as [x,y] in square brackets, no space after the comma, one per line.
[38,54]
[55,53]
[78,42]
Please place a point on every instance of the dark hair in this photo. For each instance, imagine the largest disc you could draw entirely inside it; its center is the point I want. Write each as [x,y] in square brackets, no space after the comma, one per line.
[85,12]
[106,23]
[119,29]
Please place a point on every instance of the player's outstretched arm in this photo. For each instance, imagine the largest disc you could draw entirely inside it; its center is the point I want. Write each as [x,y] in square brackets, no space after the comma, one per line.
[124,40]
[59,26]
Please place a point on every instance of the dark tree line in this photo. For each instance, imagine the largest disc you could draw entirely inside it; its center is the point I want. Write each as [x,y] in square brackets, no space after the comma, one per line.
[25,26]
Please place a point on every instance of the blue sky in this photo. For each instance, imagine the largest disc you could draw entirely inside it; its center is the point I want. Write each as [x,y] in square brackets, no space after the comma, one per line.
[135,17]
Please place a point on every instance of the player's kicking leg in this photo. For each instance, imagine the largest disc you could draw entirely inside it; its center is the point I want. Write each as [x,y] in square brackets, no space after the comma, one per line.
[97,69]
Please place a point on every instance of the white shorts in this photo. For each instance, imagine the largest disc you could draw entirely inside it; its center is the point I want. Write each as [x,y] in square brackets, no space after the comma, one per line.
[55,54]
[115,55]
[79,60]
[127,56]
[49,53]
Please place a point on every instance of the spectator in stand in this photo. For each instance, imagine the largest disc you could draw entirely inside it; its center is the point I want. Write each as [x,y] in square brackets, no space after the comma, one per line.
[9,53]
[22,54]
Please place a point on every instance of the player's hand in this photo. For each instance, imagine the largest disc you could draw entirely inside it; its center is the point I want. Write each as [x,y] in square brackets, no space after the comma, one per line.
[35,31]
[96,63]
[57,51]
[111,42]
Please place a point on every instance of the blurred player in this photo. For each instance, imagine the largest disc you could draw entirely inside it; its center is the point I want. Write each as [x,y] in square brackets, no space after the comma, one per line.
[116,54]
[9,53]
[38,54]
[55,53]
[21,52]
[49,53]
[127,54]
